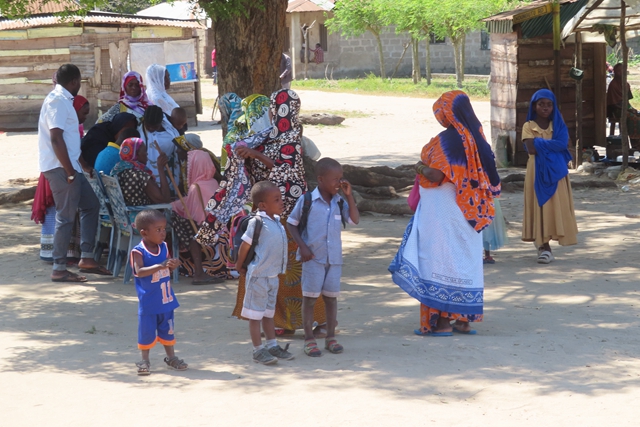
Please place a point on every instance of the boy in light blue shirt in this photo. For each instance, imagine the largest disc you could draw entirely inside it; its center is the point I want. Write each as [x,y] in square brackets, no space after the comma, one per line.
[261,275]
[316,226]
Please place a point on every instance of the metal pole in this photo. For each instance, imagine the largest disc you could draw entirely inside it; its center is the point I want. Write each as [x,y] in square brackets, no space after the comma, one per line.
[624,134]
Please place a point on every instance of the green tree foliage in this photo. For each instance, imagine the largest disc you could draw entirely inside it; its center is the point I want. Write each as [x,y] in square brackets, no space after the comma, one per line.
[416,18]
[454,19]
[352,18]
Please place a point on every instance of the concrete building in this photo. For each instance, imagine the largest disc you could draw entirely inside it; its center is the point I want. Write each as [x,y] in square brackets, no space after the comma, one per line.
[358,56]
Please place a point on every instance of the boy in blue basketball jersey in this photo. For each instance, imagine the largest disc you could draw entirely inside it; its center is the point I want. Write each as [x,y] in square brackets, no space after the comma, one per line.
[152,270]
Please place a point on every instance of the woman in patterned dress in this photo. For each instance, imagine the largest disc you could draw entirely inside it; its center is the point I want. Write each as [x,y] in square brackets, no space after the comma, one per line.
[274,154]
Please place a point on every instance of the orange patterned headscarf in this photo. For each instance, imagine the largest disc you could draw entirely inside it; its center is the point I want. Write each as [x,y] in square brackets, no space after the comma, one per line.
[462,153]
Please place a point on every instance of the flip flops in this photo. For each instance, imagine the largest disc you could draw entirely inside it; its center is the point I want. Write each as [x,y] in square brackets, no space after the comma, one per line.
[433,334]
[69,277]
[97,270]
[469,332]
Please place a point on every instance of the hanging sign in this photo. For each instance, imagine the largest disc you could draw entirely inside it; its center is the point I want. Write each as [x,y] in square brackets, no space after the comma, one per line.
[533,13]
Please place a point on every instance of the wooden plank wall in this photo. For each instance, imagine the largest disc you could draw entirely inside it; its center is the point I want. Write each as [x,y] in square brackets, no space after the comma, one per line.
[504,78]
[29,58]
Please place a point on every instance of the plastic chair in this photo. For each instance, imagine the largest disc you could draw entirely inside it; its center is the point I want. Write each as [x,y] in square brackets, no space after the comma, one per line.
[121,214]
[106,220]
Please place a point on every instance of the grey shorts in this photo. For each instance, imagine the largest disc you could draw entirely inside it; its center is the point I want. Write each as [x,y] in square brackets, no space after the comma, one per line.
[260,297]
[320,278]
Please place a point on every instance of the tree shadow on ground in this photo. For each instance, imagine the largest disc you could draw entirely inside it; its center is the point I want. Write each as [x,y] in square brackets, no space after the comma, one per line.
[566,327]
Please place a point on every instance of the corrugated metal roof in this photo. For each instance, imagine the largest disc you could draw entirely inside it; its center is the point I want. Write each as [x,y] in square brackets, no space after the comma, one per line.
[95,18]
[299,6]
[509,14]
[538,26]
[544,24]
[175,10]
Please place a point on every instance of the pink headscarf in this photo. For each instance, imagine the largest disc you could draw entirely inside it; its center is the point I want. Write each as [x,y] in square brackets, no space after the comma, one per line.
[200,170]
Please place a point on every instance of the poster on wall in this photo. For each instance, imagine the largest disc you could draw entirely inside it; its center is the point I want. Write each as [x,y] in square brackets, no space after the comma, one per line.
[180,59]
[145,54]
[178,56]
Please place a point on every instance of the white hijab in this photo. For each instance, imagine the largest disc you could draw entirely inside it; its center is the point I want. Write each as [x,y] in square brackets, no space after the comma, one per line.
[156,91]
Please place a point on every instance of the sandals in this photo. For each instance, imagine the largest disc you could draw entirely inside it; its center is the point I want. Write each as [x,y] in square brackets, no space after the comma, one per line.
[488,260]
[332,345]
[69,277]
[175,363]
[311,348]
[545,257]
[100,270]
[144,368]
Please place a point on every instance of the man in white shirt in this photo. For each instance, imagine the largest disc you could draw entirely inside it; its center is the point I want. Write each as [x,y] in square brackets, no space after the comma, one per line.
[59,145]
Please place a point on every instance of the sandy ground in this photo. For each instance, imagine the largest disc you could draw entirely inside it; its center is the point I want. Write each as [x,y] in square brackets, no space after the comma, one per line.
[559,343]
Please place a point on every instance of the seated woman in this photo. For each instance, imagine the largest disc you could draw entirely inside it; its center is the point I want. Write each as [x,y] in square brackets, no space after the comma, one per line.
[133,98]
[158,82]
[100,135]
[157,132]
[201,186]
[138,186]
[140,189]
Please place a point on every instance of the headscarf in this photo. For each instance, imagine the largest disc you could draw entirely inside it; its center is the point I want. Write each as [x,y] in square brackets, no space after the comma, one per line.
[101,134]
[135,103]
[156,92]
[285,109]
[462,153]
[230,107]
[200,171]
[256,113]
[78,102]
[552,155]
[129,155]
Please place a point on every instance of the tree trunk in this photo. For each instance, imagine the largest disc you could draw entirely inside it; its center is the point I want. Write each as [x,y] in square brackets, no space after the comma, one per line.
[463,59]
[416,60]
[428,64]
[383,72]
[249,48]
[457,57]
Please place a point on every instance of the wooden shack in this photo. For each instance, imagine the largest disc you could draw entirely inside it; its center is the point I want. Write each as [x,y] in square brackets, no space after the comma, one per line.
[32,49]
[522,62]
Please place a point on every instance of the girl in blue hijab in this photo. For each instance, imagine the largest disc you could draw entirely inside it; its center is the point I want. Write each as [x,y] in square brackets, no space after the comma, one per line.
[548,201]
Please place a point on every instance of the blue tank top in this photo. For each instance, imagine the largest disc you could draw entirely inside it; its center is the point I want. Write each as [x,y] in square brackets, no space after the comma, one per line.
[154,292]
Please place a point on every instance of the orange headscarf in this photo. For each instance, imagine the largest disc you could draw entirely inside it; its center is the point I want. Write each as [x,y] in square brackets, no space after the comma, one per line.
[462,153]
